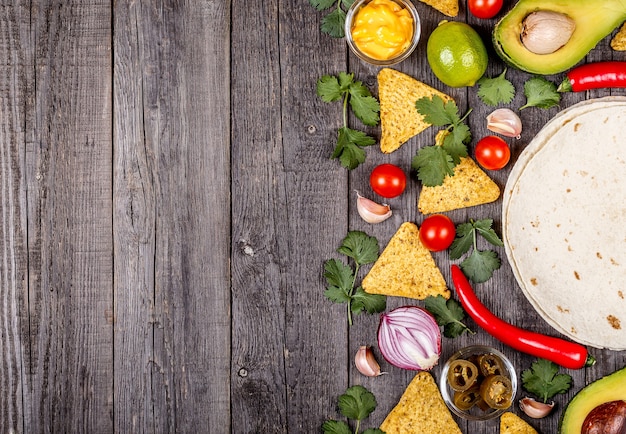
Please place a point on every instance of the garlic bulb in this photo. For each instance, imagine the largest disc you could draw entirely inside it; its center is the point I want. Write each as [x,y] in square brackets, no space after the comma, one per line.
[504,121]
[544,32]
[366,363]
[534,408]
[371,211]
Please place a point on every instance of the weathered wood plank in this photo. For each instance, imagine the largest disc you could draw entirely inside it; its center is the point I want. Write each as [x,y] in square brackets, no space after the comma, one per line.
[69,372]
[172,231]
[16,84]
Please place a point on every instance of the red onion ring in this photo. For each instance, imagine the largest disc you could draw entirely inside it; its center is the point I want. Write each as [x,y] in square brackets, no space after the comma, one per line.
[409,338]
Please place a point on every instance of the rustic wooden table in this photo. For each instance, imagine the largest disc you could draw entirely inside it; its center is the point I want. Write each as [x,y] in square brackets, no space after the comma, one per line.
[168,202]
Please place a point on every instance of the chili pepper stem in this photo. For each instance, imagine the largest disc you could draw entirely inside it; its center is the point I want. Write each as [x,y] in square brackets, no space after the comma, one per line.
[565,86]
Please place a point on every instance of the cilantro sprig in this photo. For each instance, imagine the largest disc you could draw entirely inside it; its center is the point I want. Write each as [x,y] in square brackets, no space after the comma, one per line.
[540,93]
[433,163]
[543,379]
[366,108]
[449,314]
[357,403]
[480,264]
[333,23]
[341,279]
[496,90]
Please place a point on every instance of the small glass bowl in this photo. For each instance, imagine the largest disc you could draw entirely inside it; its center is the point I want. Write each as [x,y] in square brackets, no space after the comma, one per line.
[447,392]
[351,15]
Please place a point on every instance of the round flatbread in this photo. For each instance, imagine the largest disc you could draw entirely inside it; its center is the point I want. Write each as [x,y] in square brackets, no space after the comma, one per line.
[564,215]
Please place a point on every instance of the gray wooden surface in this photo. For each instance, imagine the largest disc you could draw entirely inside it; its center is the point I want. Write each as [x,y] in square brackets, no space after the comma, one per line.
[167,203]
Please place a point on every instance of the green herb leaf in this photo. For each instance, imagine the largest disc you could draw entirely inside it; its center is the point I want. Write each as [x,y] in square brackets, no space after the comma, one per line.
[543,379]
[373,431]
[341,278]
[333,24]
[480,265]
[497,90]
[540,93]
[434,163]
[447,313]
[335,427]
[365,107]
[357,403]
[360,247]
[321,5]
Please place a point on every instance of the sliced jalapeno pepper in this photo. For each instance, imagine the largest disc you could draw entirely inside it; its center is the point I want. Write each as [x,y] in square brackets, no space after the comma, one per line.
[490,364]
[468,398]
[462,374]
[497,391]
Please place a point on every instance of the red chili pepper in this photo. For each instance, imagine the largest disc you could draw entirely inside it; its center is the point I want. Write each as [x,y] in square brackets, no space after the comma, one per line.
[594,76]
[565,353]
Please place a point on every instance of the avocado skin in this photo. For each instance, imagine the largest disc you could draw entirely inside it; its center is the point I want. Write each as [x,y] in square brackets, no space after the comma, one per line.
[606,389]
[595,19]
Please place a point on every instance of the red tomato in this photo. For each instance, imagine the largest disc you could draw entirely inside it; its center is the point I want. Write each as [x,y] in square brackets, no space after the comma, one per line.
[492,153]
[437,232]
[388,180]
[484,8]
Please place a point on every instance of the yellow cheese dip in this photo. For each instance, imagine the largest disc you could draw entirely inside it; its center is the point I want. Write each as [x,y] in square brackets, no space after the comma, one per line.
[382,29]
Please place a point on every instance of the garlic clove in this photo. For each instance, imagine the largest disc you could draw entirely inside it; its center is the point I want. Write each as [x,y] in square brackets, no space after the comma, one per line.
[371,211]
[366,363]
[506,122]
[544,32]
[534,408]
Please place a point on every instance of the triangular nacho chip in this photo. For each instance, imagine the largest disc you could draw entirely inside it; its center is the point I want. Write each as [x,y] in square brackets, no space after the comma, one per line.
[618,43]
[512,424]
[446,7]
[405,268]
[399,119]
[469,186]
[421,410]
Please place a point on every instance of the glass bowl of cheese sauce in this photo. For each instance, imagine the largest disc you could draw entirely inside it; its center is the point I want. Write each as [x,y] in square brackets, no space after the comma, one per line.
[382,32]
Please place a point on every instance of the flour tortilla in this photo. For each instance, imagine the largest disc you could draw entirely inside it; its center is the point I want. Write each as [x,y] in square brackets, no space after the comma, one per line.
[564,215]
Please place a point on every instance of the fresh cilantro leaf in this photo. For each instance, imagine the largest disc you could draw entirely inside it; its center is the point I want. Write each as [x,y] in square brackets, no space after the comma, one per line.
[321,5]
[480,264]
[363,104]
[540,93]
[357,403]
[349,149]
[543,379]
[335,427]
[371,303]
[360,247]
[341,278]
[447,313]
[333,24]
[432,164]
[365,107]
[497,90]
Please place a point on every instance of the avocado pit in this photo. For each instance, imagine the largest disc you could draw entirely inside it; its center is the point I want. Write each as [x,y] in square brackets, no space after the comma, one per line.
[545,32]
[607,418]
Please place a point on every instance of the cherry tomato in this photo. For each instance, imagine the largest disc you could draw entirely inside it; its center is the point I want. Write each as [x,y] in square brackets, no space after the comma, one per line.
[388,180]
[484,8]
[437,232]
[492,153]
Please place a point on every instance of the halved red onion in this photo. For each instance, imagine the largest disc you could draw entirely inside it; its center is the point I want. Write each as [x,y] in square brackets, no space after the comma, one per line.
[409,338]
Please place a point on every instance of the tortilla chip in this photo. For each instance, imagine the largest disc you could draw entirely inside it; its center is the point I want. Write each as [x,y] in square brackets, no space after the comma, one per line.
[421,410]
[399,119]
[618,43]
[512,424]
[469,186]
[405,268]
[446,7]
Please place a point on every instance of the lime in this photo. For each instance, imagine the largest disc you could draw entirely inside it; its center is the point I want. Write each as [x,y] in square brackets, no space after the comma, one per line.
[456,54]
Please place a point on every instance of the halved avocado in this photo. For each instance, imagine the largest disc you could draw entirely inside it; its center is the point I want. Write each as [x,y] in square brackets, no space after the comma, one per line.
[595,19]
[609,388]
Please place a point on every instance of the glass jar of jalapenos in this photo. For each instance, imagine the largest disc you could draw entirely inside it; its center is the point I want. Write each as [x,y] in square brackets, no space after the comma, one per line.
[478,383]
